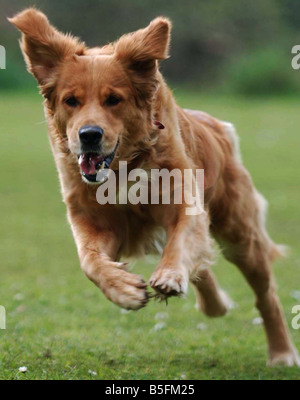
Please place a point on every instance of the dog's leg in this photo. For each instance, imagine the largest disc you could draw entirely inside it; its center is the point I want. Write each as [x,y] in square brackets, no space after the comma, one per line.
[97,249]
[211,299]
[188,246]
[257,270]
[245,242]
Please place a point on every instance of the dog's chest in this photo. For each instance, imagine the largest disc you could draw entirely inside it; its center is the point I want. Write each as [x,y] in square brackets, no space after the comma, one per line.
[140,235]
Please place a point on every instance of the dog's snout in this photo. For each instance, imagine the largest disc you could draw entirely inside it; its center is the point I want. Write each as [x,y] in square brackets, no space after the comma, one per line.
[90,135]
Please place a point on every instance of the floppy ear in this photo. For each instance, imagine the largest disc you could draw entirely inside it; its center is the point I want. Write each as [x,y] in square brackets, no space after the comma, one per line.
[44,47]
[140,50]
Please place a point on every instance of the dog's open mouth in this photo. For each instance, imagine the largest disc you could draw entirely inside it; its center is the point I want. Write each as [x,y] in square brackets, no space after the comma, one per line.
[91,163]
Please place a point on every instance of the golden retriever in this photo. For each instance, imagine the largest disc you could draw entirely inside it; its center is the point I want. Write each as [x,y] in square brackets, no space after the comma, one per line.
[110,104]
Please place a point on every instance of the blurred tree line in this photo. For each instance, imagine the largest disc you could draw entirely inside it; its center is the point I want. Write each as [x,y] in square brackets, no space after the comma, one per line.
[238,45]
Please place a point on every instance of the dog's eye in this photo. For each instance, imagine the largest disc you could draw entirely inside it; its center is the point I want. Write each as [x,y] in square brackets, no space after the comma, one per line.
[71,101]
[113,100]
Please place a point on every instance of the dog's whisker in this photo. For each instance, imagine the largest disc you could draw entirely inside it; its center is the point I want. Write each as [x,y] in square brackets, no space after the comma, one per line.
[41,122]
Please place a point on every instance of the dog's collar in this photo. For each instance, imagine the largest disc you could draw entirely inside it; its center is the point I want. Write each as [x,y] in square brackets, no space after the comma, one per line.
[159,125]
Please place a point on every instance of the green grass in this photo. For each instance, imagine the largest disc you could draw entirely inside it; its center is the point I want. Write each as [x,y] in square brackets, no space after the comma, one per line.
[60,326]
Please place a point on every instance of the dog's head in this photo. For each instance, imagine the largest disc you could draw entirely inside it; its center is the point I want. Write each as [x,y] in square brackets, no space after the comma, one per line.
[98,99]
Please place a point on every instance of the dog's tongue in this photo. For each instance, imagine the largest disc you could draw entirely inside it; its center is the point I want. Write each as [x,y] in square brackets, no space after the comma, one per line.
[88,163]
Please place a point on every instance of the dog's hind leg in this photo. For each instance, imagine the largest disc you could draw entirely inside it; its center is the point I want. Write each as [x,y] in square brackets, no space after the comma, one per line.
[253,260]
[245,242]
[210,298]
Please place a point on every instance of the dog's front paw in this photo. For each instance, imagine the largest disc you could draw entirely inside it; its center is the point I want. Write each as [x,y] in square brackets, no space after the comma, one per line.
[125,289]
[168,282]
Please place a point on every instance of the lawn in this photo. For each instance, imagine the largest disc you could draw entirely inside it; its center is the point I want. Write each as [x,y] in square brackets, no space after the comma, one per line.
[60,326]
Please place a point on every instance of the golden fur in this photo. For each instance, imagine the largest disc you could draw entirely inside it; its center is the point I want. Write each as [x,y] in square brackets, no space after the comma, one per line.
[128,68]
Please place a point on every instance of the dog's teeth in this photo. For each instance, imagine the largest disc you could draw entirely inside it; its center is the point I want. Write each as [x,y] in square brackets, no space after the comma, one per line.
[103,165]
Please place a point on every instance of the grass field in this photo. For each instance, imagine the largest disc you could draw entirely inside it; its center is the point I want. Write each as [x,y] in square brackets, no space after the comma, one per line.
[60,326]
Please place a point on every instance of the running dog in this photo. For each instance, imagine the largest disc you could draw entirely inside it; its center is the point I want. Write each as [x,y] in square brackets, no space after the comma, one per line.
[109,104]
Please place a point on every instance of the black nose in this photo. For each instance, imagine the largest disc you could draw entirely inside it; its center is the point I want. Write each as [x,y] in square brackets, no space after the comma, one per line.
[90,135]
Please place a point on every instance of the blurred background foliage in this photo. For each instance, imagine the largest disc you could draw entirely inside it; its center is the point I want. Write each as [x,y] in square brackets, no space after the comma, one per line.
[237,46]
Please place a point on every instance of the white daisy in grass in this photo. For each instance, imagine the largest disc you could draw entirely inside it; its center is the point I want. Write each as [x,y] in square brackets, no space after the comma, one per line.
[161,315]
[201,326]
[159,326]
[92,372]
[257,321]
